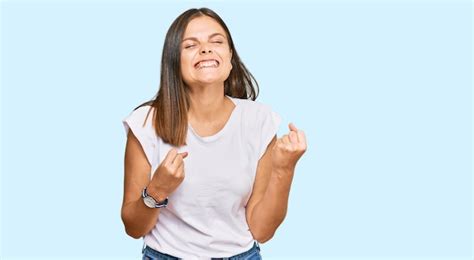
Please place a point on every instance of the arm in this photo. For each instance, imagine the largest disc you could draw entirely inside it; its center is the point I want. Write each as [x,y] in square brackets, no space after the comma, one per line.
[268,204]
[136,216]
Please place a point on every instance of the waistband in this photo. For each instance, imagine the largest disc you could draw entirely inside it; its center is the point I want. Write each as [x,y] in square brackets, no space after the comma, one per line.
[164,256]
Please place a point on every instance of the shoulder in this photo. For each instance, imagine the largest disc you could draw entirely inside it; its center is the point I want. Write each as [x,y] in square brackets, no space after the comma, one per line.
[141,121]
[142,110]
[257,115]
[254,108]
[260,124]
[142,115]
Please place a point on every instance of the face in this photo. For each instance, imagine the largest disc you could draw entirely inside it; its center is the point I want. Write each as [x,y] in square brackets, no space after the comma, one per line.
[205,53]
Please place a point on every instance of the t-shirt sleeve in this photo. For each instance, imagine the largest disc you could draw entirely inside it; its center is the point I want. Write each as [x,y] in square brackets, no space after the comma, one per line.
[143,130]
[269,122]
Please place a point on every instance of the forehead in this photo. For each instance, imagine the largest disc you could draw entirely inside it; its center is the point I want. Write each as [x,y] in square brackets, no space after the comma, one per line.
[203,26]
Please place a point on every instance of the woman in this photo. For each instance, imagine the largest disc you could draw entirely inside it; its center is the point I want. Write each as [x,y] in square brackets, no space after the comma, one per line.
[205,174]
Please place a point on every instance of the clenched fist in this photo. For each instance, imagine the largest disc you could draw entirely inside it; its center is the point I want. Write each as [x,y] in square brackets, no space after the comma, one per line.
[288,149]
[168,176]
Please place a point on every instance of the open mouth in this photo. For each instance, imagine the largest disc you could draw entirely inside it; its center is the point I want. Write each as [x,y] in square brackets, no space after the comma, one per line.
[206,64]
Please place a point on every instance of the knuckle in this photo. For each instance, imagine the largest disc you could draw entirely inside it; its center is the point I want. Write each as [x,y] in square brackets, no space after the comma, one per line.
[176,175]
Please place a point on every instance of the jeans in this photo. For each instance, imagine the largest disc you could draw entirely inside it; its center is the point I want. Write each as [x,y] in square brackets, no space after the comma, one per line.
[252,254]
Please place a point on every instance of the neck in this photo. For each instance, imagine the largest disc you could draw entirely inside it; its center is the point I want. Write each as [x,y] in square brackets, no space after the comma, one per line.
[206,104]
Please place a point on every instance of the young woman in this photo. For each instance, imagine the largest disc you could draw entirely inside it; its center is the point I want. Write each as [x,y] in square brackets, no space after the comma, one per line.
[205,174]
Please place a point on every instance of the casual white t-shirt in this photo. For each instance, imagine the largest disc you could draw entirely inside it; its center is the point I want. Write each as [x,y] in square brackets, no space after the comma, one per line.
[205,216]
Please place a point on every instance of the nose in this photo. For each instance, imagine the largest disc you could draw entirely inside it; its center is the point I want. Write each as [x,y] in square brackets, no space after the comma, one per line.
[205,49]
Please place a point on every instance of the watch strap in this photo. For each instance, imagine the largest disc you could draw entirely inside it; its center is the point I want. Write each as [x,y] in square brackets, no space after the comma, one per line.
[159,204]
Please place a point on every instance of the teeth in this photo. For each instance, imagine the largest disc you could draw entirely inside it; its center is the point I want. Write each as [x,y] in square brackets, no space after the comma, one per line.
[207,64]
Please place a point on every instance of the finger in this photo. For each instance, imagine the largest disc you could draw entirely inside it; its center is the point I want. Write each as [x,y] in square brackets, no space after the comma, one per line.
[180,169]
[170,155]
[178,160]
[285,139]
[301,136]
[296,130]
[293,136]
[292,127]
[184,155]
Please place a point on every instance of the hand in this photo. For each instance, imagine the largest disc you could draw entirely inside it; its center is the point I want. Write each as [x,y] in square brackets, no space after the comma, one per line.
[168,176]
[288,149]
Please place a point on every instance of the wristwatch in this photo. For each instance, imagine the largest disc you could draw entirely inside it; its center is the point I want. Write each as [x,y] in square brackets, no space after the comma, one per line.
[151,202]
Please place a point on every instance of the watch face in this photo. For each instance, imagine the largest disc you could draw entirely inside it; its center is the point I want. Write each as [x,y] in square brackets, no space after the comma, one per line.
[149,201]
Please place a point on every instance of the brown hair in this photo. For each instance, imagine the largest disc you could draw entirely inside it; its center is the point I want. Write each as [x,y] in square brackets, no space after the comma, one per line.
[171,103]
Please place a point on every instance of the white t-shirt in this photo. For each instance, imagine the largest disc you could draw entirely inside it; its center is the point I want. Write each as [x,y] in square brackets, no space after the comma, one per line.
[205,216]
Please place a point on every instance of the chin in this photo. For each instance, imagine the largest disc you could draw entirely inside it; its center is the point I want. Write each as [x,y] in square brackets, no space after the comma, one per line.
[211,80]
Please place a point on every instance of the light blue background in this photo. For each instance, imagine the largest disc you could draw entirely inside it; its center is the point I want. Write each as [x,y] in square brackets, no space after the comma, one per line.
[383,91]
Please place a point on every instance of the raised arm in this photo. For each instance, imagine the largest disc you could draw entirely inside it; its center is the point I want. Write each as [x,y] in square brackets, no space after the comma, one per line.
[136,216]
[268,203]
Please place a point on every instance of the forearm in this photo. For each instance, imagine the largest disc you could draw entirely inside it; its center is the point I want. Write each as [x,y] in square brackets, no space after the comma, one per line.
[138,218]
[270,212]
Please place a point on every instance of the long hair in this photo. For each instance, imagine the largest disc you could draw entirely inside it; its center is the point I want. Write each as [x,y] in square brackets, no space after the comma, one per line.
[171,103]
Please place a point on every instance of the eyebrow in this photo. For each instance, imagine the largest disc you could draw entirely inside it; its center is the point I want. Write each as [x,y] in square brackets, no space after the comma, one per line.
[210,36]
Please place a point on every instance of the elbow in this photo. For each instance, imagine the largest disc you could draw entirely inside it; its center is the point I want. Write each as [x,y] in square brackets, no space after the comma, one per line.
[263,238]
[133,233]
[263,233]
[131,229]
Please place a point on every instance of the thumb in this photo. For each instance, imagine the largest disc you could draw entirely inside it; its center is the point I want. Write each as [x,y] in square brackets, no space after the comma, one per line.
[292,127]
[185,154]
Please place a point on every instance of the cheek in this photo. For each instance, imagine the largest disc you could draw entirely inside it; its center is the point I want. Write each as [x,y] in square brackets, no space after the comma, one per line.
[227,58]
[229,62]
[186,57]
[185,64]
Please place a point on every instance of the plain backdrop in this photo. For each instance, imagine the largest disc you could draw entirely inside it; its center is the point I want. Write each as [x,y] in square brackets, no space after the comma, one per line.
[383,90]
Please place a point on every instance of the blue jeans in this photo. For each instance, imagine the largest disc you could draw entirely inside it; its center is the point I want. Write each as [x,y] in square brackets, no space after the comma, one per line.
[252,254]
